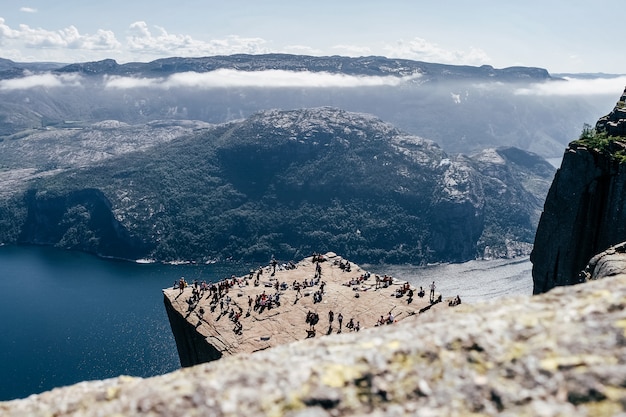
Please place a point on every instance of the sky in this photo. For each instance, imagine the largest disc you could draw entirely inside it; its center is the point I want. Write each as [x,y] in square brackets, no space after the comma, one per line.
[573,36]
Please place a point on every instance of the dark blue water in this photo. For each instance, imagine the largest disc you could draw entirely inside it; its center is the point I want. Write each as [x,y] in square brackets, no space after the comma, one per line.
[67,317]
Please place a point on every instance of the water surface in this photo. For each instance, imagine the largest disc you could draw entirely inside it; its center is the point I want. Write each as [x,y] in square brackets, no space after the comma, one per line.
[69,317]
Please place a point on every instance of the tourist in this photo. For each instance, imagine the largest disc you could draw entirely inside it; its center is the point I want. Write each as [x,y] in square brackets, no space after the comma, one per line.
[350,324]
[340,320]
[390,318]
[432,292]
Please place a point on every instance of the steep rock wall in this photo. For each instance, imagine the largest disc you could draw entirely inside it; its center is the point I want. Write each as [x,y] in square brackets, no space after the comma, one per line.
[585,210]
[584,214]
[79,220]
[192,346]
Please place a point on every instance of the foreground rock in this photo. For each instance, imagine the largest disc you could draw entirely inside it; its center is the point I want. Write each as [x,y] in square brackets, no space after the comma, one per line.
[206,331]
[562,353]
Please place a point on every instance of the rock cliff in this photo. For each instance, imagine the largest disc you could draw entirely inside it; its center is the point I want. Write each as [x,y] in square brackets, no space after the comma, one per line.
[585,210]
[205,329]
[555,354]
[614,123]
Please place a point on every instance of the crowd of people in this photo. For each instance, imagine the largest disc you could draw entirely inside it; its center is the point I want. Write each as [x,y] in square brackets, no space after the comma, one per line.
[219,294]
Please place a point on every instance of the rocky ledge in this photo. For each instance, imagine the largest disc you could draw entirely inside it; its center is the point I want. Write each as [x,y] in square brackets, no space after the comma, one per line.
[562,353]
[614,123]
[241,319]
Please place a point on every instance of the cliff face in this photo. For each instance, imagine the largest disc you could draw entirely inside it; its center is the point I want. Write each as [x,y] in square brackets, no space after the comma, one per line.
[192,346]
[585,210]
[80,220]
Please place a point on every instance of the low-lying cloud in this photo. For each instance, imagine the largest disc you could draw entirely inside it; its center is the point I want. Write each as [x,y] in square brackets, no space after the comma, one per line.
[577,87]
[47,80]
[226,78]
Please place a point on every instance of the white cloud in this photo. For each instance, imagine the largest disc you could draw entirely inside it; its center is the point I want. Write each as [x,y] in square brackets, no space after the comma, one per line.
[302,50]
[69,38]
[141,40]
[46,80]
[225,78]
[422,50]
[6,32]
[576,87]
[28,10]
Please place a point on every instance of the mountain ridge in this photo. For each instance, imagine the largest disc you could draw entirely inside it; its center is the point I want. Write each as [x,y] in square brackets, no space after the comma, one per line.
[369,65]
[292,182]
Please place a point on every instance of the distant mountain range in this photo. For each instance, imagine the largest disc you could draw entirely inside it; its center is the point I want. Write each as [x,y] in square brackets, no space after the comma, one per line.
[463,108]
[282,183]
[372,65]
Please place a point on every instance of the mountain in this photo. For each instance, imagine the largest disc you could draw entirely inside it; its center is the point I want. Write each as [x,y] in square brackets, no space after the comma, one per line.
[584,210]
[371,65]
[287,183]
[483,107]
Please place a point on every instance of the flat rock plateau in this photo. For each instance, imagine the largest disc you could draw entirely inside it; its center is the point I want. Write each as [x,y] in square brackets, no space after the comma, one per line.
[351,292]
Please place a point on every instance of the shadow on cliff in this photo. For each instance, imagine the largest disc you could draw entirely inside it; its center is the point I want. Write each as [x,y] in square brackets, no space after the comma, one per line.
[80,220]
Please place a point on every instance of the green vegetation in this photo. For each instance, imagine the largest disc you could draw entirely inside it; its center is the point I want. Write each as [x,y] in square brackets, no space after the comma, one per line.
[601,142]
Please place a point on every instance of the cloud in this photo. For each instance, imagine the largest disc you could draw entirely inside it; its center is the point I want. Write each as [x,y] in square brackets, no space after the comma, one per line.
[576,87]
[46,80]
[301,50]
[225,78]
[28,10]
[422,50]
[69,38]
[141,40]
[6,32]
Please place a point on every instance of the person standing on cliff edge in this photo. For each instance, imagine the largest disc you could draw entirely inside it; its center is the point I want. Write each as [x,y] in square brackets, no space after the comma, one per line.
[432,292]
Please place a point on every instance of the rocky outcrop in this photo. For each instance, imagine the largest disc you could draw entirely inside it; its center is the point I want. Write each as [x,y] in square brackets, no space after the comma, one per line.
[609,263]
[584,212]
[614,123]
[555,354]
[206,330]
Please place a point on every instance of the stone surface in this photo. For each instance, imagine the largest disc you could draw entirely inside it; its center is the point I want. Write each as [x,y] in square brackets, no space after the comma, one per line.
[562,353]
[211,335]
